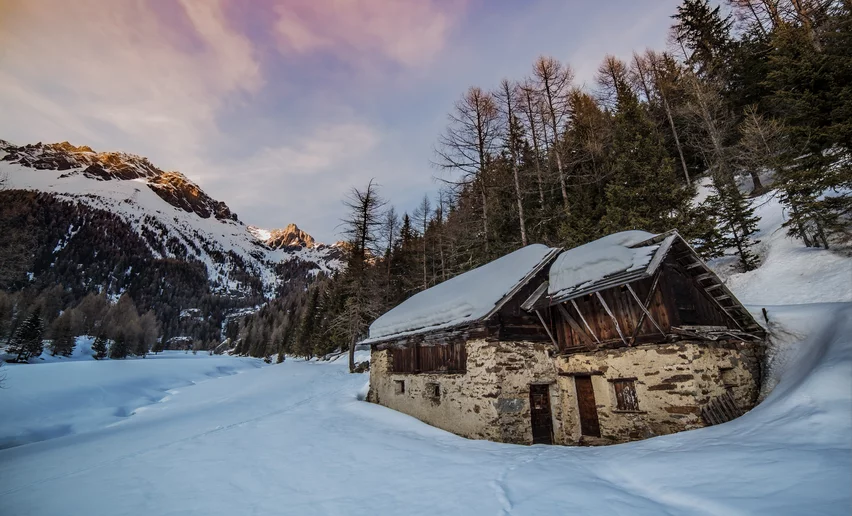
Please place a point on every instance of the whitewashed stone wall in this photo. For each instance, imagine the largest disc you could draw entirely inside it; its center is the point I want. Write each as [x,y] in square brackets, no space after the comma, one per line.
[491,400]
[673,381]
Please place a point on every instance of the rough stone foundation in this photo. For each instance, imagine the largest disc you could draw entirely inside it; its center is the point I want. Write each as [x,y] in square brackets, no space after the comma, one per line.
[491,399]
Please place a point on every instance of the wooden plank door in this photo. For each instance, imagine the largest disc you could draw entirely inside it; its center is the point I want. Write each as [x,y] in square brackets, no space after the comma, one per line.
[589,424]
[540,414]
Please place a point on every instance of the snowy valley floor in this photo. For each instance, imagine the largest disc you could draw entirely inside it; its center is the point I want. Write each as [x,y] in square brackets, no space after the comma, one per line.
[178,434]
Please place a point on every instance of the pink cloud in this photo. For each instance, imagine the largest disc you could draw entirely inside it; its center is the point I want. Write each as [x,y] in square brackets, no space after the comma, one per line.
[408,33]
[70,67]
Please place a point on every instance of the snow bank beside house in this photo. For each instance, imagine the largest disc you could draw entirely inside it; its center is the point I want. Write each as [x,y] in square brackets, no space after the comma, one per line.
[462,299]
[592,262]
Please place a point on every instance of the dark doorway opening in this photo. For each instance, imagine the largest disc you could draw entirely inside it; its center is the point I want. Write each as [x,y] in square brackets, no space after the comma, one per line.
[589,424]
[540,414]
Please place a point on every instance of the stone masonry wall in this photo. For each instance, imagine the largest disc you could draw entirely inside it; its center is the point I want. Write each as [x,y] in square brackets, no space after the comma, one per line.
[672,381]
[489,401]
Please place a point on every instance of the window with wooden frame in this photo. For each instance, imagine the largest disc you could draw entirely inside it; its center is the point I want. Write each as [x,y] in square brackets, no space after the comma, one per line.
[440,358]
[625,394]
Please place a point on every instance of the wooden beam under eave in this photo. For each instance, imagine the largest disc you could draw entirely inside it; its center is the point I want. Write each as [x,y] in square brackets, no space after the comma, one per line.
[570,320]
[644,309]
[612,316]
[585,322]
[544,324]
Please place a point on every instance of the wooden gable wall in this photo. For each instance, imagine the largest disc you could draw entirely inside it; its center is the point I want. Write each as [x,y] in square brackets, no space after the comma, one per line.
[675,301]
[512,323]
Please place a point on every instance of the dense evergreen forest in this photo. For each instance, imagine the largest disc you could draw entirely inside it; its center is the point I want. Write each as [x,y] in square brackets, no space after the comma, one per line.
[746,92]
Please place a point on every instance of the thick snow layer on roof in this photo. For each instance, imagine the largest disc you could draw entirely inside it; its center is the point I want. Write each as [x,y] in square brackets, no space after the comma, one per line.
[589,263]
[464,298]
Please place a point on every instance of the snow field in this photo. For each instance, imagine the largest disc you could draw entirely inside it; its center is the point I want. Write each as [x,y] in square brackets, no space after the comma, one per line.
[294,438]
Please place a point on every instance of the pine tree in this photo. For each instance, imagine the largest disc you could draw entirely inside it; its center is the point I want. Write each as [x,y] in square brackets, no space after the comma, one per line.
[643,191]
[158,345]
[306,325]
[119,348]
[704,35]
[812,93]
[100,347]
[735,222]
[63,337]
[27,341]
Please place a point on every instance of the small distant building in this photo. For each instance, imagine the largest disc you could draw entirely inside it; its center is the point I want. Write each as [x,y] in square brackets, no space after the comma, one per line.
[624,338]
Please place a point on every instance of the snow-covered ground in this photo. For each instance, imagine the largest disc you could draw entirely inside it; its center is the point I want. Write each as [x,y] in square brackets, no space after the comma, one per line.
[180,434]
[295,439]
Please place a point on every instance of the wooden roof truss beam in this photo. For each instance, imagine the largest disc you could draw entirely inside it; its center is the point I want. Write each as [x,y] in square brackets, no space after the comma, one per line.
[585,322]
[547,329]
[645,312]
[574,326]
[613,317]
[644,306]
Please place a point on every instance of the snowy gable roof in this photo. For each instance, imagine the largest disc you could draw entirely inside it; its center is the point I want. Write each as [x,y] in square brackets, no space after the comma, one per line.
[466,298]
[612,260]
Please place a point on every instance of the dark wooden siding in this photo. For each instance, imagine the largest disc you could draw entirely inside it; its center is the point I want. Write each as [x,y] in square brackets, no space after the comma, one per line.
[686,303]
[446,358]
[514,323]
[676,301]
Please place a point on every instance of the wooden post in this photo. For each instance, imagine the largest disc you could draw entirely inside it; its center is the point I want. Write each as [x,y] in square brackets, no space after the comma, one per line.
[644,309]
[585,323]
[540,318]
[612,316]
[647,303]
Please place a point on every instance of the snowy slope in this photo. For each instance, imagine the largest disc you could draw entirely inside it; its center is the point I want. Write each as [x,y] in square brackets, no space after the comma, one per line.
[130,189]
[789,272]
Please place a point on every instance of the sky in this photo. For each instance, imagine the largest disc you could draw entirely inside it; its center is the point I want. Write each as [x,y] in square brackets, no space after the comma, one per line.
[280,107]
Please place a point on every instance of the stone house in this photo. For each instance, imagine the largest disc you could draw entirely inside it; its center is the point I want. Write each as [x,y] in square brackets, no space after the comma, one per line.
[624,338]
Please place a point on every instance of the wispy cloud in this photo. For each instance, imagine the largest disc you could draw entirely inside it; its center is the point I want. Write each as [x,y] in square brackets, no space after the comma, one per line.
[121,72]
[409,33]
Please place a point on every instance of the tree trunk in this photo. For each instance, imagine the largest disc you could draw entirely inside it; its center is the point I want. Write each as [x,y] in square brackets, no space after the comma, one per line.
[352,354]
[562,185]
[802,231]
[533,133]
[485,218]
[520,205]
[676,138]
[757,187]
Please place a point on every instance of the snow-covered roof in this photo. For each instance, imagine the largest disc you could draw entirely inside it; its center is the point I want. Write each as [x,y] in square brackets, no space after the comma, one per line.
[464,299]
[614,259]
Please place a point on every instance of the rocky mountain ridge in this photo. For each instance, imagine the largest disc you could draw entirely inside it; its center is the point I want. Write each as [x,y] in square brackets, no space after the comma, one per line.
[113,222]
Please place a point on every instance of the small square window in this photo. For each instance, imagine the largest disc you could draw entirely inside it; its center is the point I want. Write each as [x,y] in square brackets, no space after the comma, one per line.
[625,395]
[434,390]
[399,386]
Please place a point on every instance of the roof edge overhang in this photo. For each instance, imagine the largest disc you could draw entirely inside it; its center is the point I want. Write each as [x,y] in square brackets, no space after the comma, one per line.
[546,260]
[666,240]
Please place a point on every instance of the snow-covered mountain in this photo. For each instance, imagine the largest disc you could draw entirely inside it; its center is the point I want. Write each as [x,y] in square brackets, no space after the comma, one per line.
[113,222]
[173,216]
